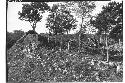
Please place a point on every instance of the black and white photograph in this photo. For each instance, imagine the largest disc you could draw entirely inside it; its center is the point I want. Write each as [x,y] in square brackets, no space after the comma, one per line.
[64,41]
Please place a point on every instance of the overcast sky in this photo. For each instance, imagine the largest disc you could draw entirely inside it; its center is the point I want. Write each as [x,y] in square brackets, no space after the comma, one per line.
[13,23]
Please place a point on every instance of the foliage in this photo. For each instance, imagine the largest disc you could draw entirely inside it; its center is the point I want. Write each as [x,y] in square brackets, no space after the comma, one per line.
[37,57]
[13,37]
[31,32]
[117,32]
[33,12]
[43,65]
[81,8]
[116,51]
[116,47]
[58,67]
[60,20]
[110,18]
[108,21]
[116,16]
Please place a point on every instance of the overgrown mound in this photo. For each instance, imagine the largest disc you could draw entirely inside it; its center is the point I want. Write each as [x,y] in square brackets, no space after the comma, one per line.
[28,62]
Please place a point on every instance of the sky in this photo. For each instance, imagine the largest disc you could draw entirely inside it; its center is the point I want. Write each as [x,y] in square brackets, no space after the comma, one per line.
[13,23]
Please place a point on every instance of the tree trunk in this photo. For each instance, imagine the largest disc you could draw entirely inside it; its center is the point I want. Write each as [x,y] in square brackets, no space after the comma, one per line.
[80,36]
[100,38]
[48,36]
[68,42]
[79,41]
[119,41]
[61,43]
[34,26]
[68,45]
[56,45]
[106,41]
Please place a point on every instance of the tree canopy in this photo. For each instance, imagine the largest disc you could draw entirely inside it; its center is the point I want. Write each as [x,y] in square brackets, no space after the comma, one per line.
[110,18]
[60,20]
[109,22]
[33,12]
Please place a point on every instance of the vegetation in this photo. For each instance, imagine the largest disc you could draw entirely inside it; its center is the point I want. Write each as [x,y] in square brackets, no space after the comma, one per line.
[83,11]
[60,21]
[33,57]
[108,20]
[13,37]
[32,12]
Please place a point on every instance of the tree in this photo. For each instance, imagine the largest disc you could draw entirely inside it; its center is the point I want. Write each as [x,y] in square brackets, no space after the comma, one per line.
[82,10]
[60,21]
[33,12]
[117,31]
[108,20]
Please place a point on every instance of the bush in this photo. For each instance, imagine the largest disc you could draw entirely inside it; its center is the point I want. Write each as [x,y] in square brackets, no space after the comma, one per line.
[13,37]
[31,32]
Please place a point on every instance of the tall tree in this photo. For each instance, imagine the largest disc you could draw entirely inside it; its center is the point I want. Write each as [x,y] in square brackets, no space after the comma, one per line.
[82,9]
[33,12]
[60,21]
[108,20]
